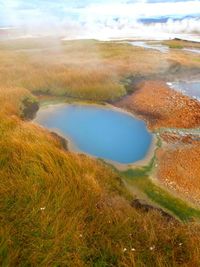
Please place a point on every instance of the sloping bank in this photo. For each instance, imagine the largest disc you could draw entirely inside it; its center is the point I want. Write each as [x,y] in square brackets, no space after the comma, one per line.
[140,183]
[164,109]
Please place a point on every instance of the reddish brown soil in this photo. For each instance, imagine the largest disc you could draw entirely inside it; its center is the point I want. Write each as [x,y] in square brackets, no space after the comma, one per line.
[179,166]
[162,107]
[179,157]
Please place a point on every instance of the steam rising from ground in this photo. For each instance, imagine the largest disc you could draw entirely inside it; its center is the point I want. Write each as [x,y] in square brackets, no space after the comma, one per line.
[123,28]
[102,19]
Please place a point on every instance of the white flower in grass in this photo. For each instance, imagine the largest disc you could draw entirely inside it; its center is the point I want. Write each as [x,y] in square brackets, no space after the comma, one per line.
[43,208]
[133,249]
[125,249]
[152,248]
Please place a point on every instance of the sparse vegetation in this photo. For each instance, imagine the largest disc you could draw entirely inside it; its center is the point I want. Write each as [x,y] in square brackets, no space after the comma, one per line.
[180,44]
[175,46]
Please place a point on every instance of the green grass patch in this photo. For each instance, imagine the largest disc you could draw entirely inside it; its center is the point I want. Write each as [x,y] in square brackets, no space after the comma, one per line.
[138,178]
[176,46]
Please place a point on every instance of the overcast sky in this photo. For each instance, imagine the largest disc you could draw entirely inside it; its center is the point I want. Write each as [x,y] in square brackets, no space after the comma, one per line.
[97,15]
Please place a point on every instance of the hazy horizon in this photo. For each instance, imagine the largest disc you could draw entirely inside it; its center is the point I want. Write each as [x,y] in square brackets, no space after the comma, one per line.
[153,19]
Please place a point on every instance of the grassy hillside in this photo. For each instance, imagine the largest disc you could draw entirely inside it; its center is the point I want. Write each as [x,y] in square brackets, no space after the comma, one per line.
[63,209]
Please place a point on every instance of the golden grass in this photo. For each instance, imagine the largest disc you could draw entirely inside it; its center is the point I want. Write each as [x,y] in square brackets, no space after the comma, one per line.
[11,98]
[82,69]
[88,70]
[63,209]
[89,83]
[179,44]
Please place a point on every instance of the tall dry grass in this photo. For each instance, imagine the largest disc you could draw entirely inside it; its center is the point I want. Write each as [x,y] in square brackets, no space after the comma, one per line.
[63,209]
[11,99]
[88,70]
[84,69]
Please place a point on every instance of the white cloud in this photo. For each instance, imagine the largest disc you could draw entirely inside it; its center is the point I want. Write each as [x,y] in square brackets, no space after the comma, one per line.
[142,9]
[100,19]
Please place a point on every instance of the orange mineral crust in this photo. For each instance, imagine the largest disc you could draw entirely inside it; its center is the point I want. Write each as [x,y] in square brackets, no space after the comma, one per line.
[179,166]
[178,158]
[161,106]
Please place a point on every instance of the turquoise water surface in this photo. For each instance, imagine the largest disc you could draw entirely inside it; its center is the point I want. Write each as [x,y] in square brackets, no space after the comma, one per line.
[99,131]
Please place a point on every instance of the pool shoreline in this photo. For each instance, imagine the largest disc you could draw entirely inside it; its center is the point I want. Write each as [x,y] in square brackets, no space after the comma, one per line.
[72,147]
